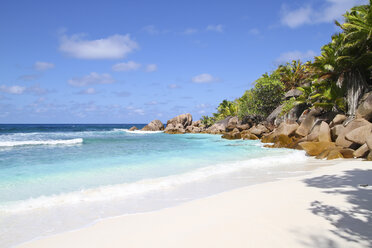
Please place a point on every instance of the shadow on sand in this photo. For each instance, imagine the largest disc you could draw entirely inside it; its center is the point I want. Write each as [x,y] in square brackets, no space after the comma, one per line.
[353,224]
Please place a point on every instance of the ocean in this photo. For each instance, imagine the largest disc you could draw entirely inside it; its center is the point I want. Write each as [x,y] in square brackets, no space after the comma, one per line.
[56,178]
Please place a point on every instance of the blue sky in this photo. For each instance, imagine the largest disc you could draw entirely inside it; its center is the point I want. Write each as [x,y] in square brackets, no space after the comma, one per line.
[135,61]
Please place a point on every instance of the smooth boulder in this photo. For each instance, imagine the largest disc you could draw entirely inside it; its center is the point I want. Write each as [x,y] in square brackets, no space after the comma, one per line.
[185,120]
[134,128]
[155,125]
[341,138]
[316,148]
[324,133]
[364,109]
[359,135]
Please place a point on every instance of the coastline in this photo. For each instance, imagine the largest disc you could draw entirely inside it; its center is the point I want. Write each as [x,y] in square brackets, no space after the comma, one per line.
[325,207]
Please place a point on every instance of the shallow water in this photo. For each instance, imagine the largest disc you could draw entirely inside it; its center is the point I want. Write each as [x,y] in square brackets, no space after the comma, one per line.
[55,178]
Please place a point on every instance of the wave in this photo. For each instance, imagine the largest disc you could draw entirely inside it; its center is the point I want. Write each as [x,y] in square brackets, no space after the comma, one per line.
[41,142]
[120,191]
[136,131]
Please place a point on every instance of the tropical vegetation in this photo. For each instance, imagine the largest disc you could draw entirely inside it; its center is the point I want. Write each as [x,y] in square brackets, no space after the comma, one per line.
[334,80]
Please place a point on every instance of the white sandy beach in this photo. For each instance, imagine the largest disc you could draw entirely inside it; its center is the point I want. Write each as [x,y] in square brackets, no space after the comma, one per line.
[326,208]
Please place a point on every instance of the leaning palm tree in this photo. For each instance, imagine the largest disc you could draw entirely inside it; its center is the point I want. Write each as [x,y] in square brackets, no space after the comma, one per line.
[355,54]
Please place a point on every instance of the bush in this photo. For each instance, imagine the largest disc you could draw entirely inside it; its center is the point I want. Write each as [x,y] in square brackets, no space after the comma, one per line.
[266,95]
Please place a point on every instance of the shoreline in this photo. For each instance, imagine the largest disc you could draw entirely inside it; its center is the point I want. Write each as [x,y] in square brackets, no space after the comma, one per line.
[128,229]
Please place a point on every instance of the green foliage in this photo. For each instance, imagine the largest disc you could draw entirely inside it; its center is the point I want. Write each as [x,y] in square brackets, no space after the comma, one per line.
[266,95]
[292,74]
[207,121]
[325,94]
[288,105]
[225,109]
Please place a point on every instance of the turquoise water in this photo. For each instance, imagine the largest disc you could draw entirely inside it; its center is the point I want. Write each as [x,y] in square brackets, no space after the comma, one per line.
[59,177]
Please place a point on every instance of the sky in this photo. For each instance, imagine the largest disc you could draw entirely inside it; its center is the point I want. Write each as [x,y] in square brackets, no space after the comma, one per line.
[136,61]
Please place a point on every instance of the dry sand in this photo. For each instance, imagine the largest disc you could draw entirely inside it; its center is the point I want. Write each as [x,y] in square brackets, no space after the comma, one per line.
[326,208]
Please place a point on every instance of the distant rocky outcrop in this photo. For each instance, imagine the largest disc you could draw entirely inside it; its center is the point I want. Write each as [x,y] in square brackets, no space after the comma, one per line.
[219,127]
[179,124]
[154,125]
[134,128]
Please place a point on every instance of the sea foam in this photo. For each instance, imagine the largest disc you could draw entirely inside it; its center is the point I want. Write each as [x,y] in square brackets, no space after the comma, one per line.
[121,191]
[40,142]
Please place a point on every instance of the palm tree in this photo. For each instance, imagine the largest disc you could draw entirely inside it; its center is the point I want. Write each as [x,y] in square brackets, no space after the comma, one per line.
[347,59]
[292,74]
[225,109]
[355,54]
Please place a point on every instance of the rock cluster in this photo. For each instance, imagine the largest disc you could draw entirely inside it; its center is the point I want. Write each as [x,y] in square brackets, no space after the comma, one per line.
[320,133]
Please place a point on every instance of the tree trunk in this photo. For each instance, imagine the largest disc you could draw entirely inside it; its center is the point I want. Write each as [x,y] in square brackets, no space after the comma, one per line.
[356,86]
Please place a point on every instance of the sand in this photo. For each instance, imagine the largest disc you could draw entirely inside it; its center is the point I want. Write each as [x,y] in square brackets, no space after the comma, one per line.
[326,208]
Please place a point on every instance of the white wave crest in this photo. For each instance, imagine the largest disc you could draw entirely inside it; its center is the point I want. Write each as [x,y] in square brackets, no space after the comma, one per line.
[120,191]
[41,142]
[136,131]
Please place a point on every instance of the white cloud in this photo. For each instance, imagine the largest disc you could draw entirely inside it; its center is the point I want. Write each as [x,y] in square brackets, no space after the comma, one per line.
[151,29]
[216,28]
[152,103]
[92,78]
[151,67]
[295,55]
[329,11]
[15,89]
[189,31]
[204,78]
[43,66]
[173,86]
[113,47]
[18,90]
[128,66]
[89,91]
[254,31]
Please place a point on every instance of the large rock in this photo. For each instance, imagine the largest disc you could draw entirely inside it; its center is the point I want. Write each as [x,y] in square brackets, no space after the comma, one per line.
[361,151]
[248,135]
[259,130]
[341,140]
[369,141]
[175,129]
[232,123]
[193,129]
[154,125]
[286,129]
[316,148]
[365,108]
[292,116]
[336,131]
[235,134]
[196,123]
[336,152]
[271,118]
[339,118]
[185,120]
[308,122]
[293,93]
[134,128]
[219,127]
[314,134]
[359,135]
[324,133]
[243,127]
